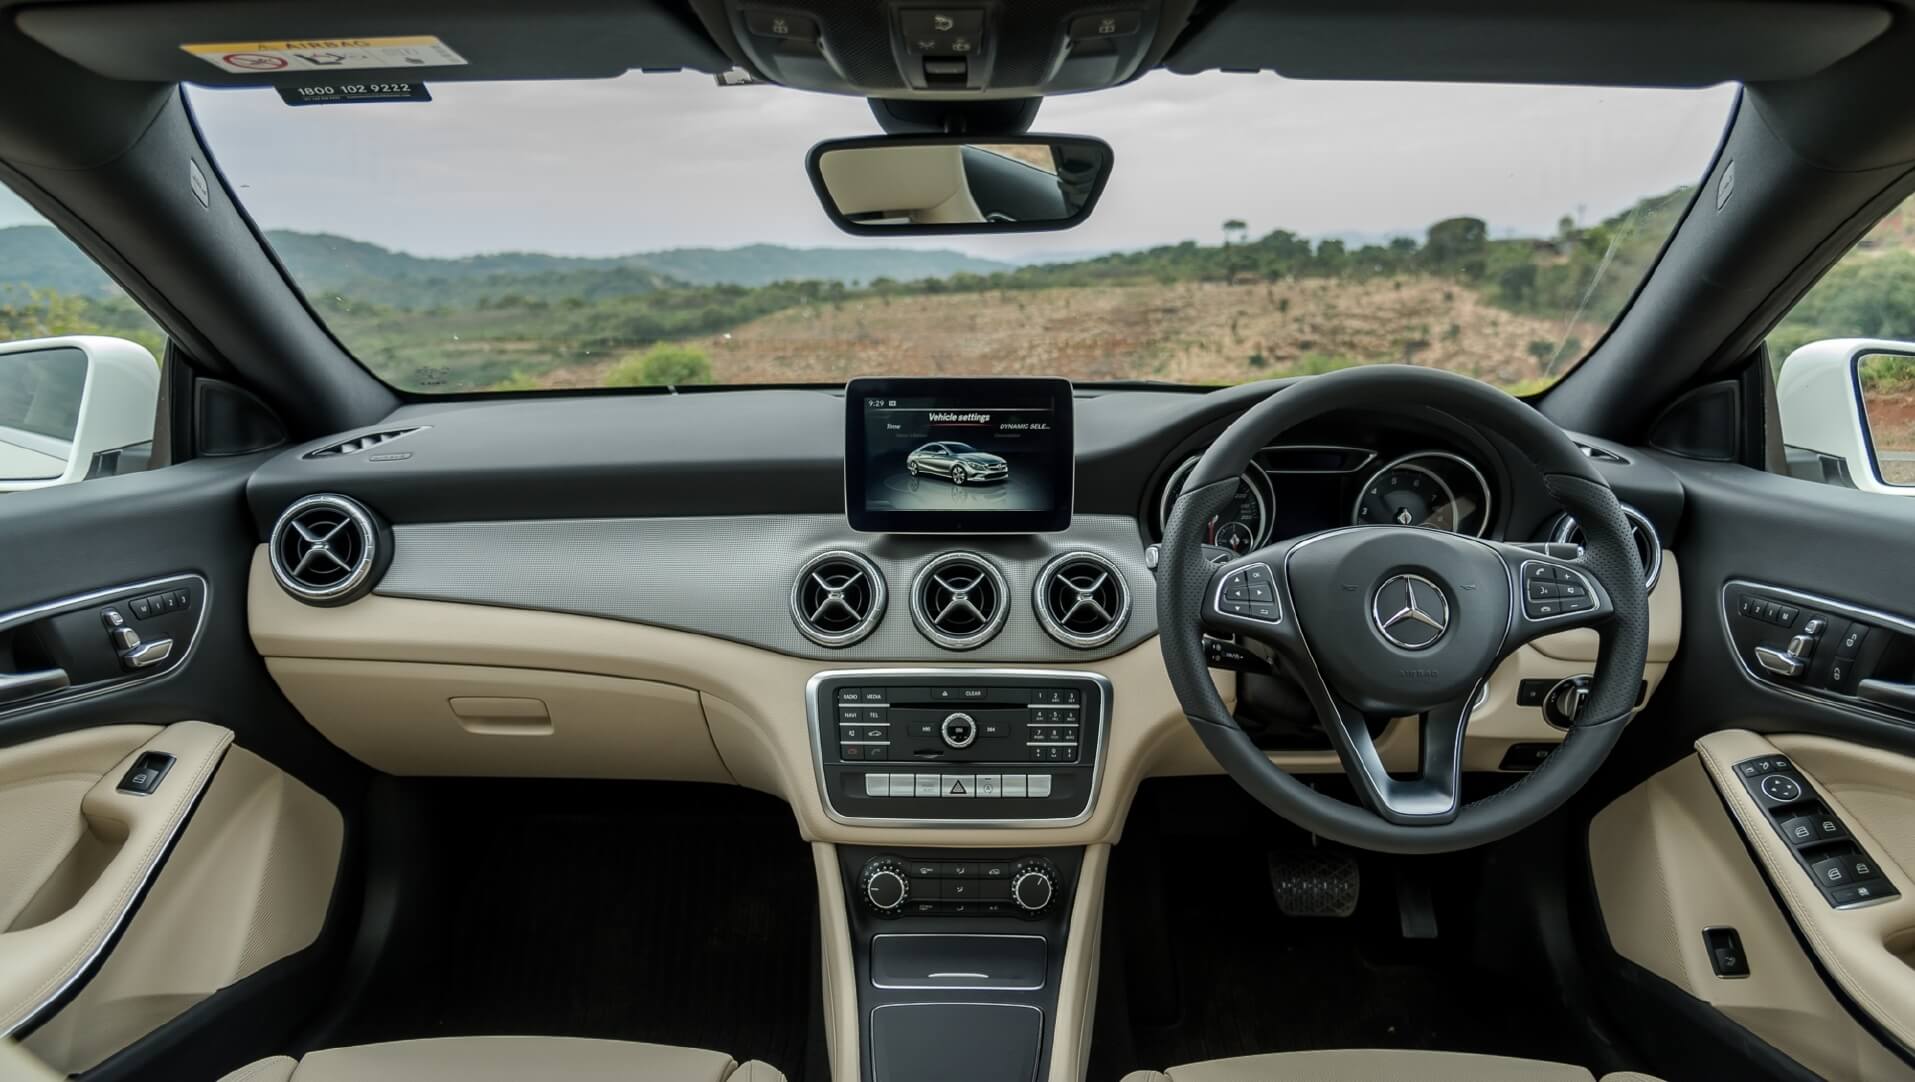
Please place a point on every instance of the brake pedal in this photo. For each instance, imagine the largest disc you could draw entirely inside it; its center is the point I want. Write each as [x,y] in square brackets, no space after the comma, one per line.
[1315,882]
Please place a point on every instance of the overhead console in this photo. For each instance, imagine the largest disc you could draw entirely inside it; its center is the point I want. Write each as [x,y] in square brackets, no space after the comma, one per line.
[1021,49]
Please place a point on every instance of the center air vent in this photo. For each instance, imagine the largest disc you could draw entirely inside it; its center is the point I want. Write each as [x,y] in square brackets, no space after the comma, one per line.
[328,550]
[959,600]
[1081,599]
[837,599]
[361,443]
[1648,544]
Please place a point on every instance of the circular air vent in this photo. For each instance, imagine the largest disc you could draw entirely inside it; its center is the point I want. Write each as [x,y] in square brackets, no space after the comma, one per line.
[959,600]
[1081,599]
[327,550]
[837,599]
[1648,544]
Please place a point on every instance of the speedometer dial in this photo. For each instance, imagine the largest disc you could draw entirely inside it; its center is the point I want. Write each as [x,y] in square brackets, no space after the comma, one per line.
[1434,489]
[1242,525]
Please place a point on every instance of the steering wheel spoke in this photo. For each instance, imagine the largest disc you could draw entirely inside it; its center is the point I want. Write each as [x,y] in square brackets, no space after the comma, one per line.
[1434,794]
[1551,593]
[1248,597]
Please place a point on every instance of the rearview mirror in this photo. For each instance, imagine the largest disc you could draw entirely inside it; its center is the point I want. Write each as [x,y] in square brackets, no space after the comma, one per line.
[74,407]
[912,185]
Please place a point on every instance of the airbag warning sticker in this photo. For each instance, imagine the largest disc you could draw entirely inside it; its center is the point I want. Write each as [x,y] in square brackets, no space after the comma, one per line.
[327,54]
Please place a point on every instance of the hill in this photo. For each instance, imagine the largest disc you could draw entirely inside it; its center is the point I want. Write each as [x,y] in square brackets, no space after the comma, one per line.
[37,257]
[326,263]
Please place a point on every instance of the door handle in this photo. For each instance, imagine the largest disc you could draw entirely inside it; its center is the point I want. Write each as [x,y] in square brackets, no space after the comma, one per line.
[1887,693]
[26,685]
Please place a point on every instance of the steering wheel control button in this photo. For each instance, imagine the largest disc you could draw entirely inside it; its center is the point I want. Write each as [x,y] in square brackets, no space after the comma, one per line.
[1552,590]
[1250,592]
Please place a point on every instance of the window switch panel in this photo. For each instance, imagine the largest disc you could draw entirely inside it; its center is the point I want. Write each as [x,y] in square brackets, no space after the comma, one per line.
[1822,846]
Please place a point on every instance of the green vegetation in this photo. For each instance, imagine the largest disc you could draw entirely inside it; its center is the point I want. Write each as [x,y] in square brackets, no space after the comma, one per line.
[661,366]
[45,313]
[1869,294]
[517,321]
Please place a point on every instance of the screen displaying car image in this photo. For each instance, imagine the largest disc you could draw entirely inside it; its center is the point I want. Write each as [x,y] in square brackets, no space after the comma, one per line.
[959,455]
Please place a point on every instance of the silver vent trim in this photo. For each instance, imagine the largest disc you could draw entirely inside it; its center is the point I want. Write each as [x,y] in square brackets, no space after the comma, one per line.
[1091,591]
[837,598]
[1648,542]
[959,600]
[323,548]
[363,442]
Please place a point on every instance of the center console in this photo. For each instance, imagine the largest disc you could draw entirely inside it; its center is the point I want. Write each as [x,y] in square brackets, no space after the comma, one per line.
[970,747]
[959,957]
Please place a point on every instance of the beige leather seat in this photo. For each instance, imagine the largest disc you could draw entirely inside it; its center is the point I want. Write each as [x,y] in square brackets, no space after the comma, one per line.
[507,1059]
[1377,1065]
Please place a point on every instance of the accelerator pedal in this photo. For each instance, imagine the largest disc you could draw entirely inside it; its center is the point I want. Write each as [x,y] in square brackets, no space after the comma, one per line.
[1315,882]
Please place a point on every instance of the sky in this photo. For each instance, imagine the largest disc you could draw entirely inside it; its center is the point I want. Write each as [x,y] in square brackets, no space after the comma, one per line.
[646,162]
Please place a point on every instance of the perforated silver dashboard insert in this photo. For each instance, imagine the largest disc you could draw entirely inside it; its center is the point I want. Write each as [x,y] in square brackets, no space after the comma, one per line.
[730,577]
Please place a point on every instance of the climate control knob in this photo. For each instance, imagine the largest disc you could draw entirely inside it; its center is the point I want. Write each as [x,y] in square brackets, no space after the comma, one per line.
[1034,885]
[884,886]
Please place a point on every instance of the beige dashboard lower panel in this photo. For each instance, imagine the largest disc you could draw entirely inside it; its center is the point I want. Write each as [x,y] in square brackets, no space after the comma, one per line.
[410,718]
[247,884]
[752,700]
[1668,862]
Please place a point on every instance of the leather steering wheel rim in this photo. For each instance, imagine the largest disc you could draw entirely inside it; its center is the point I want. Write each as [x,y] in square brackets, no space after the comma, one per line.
[1190,599]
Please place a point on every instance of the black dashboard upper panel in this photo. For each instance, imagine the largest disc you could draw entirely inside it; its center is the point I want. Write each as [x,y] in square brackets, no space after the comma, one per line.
[780,451]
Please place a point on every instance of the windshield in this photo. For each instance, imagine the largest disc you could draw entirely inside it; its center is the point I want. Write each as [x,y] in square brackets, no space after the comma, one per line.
[659,229]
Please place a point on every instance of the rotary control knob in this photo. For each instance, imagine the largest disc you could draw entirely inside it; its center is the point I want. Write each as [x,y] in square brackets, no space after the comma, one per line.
[1034,885]
[958,730]
[883,884]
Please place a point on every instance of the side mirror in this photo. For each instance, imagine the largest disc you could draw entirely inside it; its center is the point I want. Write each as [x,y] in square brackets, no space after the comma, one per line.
[74,407]
[1848,413]
[940,184]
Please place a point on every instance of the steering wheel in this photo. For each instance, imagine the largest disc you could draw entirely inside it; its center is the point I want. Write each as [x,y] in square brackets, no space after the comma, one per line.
[1382,622]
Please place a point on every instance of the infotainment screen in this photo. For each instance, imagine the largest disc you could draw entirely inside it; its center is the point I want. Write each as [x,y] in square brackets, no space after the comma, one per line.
[958,455]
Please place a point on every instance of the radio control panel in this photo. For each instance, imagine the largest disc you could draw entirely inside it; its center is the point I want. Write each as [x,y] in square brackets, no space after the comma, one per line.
[958,745]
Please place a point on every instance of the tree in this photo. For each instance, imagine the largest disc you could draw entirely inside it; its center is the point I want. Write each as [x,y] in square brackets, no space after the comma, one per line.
[663,365]
[1235,229]
[1457,245]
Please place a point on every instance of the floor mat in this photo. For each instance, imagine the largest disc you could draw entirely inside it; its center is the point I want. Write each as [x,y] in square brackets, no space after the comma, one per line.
[1221,972]
[679,914]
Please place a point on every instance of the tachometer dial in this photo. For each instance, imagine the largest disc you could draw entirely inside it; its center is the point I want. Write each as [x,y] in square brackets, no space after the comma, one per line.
[1434,489]
[1242,525]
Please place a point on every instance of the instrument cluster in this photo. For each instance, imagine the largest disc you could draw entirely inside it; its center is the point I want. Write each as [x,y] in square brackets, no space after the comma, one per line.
[1293,489]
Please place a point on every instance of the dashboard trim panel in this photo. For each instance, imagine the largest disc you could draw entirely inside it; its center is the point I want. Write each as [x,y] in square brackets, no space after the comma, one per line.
[731,577]
[948,673]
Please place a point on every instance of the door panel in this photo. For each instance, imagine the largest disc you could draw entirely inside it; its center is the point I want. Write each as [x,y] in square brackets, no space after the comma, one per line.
[107,845]
[1865,945]
[1668,862]
[218,957]
[248,884]
[1694,847]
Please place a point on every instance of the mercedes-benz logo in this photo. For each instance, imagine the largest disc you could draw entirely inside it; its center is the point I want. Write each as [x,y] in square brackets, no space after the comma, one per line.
[1411,611]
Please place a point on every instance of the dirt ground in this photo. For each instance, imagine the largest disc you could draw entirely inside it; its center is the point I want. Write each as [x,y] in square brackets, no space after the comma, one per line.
[1186,332]
[1891,424]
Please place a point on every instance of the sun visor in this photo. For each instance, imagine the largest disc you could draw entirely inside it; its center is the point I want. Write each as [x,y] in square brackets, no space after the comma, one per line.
[287,42]
[1630,43]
